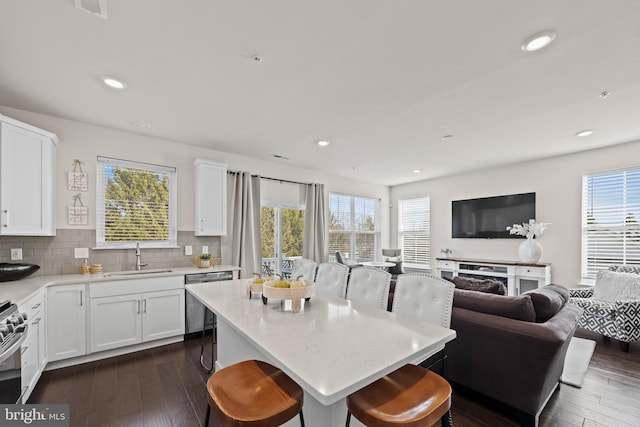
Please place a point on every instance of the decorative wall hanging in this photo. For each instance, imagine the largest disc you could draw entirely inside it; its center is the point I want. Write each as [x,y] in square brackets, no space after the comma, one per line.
[78,215]
[77,180]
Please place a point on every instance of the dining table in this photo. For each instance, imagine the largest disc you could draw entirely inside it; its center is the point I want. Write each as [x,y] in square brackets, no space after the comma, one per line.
[332,347]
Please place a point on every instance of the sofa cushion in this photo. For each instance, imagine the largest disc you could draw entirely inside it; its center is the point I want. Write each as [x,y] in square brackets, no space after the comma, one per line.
[480,285]
[513,307]
[547,301]
[613,286]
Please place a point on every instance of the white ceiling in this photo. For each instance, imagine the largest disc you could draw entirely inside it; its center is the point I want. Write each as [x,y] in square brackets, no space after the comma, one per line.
[382,80]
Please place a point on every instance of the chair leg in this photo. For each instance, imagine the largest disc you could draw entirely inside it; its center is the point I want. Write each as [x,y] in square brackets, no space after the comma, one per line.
[206,418]
[447,420]
[624,346]
[348,417]
[301,419]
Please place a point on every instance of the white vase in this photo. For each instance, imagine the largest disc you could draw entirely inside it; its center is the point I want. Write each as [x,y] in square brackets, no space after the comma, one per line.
[529,251]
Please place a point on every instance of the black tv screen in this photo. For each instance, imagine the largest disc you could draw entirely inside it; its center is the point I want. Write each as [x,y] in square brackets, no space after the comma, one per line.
[489,217]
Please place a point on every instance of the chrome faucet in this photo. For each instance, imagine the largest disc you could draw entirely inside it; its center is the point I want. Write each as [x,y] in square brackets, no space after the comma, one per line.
[139,263]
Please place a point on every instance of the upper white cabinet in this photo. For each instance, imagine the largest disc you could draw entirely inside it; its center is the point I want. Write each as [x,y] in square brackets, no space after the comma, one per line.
[210,198]
[27,179]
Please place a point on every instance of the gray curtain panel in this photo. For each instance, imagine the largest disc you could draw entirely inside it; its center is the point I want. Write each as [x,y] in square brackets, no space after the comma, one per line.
[244,222]
[313,241]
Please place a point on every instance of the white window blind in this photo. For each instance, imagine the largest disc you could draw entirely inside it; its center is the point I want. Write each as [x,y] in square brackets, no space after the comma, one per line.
[610,214]
[414,232]
[135,202]
[353,226]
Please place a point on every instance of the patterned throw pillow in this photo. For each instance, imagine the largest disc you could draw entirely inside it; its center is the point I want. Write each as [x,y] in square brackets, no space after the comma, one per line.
[612,286]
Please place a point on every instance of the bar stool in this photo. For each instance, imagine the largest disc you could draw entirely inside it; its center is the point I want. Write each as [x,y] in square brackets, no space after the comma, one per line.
[410,396]
[253,393]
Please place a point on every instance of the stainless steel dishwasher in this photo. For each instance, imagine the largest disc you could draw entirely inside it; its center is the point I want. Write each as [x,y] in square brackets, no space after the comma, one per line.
[198,319]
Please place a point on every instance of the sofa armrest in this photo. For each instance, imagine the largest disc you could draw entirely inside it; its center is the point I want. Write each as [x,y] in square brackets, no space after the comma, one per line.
[580,292]
[627,320]
[516,362]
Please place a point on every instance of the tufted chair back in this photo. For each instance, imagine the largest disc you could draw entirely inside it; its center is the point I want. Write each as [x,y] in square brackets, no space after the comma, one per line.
[331,280]
[424,297]
[370,286]
[305,268]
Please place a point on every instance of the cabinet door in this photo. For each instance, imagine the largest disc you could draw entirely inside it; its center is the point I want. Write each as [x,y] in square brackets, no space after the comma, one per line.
[210,199]
[27,182]
[66,322]
[163,314]
[115,322]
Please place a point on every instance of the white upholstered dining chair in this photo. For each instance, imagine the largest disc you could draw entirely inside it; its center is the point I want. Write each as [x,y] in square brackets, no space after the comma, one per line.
[331,279]
[305,268]
[370,286]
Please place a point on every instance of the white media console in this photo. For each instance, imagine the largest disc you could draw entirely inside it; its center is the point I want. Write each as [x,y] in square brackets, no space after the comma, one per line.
[518,277]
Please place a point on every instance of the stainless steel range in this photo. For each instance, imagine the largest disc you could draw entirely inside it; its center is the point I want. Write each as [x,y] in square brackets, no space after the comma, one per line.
[13,332]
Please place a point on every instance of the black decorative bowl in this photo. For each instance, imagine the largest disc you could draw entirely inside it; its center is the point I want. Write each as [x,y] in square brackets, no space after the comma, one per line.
[17,271]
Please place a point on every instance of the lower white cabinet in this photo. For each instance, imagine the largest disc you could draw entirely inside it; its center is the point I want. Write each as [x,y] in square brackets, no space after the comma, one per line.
[121,320]
[66,321]
[34,357]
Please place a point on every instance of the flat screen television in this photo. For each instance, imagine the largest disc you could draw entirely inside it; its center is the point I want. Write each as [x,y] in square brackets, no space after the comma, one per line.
[489,217]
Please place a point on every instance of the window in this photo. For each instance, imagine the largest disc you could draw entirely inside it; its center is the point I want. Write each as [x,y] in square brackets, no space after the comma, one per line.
[135,202]
[282,229]
[610,213]
[414,232]
[353,226]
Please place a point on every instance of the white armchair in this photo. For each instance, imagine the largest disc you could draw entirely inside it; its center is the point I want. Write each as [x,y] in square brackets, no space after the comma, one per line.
[331,280]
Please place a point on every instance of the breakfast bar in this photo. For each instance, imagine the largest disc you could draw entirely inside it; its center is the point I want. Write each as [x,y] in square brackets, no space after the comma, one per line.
[331,347]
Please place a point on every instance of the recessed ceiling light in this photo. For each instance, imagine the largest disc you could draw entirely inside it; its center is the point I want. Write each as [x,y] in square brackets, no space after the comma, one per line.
[605,94]
[256,59]
[279,157]
[417,171]
[538,41]
[114,83]
[585,132]
[323,143]
[447,137]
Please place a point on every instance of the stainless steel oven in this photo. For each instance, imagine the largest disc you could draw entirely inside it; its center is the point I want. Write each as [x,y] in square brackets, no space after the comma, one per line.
[13,332]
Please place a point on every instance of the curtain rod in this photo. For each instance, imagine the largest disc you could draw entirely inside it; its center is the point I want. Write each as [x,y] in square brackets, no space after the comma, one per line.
[274,179]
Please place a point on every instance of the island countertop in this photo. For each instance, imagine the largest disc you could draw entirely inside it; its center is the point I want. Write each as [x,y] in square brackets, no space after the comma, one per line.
[332,347]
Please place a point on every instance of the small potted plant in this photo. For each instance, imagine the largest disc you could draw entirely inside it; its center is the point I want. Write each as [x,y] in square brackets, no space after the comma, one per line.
[203,260]
[446,252]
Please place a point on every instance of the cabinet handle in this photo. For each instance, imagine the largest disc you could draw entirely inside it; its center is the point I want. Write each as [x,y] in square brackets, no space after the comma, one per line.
[138,304]
[25,348]
[201,224]
[35,306]
[145,305]
[81,298]
[6,218]
[35,322]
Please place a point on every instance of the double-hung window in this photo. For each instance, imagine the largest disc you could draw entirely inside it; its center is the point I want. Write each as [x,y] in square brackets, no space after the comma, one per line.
[610,215]
[354,226]
[135,202]
[414,232]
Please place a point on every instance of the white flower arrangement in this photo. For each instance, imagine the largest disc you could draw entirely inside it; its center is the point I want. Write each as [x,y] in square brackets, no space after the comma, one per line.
[529,229]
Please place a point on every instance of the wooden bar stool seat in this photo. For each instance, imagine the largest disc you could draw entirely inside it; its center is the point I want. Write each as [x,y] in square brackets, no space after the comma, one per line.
[253,393]
[410,396]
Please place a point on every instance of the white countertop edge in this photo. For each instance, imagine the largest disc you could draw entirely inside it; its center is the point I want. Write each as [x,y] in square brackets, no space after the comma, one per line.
[20,291]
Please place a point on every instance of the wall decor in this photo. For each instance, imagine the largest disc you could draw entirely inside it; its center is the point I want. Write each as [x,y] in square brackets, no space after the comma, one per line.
[77,180]
[78,215]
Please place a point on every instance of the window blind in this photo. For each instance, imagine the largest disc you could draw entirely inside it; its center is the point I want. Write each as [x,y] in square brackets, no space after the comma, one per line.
[135,202]
[353,226]
[414,231]
[610,214]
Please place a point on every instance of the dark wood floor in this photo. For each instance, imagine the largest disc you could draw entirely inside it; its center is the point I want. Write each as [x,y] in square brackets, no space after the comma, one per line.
[166,387]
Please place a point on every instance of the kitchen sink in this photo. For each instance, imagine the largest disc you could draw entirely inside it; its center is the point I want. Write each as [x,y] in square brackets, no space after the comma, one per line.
[136,272]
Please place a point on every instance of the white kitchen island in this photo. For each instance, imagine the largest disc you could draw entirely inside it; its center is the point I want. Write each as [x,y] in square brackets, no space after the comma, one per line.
[331,348]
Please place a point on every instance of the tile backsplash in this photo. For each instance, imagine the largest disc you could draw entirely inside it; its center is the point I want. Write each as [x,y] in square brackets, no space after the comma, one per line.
[55,255]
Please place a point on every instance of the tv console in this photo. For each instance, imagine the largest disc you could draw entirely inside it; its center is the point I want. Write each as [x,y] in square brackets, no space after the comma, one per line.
[517,276]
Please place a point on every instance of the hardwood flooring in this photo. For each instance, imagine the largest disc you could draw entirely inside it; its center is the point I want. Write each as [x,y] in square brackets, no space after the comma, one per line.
[165,386]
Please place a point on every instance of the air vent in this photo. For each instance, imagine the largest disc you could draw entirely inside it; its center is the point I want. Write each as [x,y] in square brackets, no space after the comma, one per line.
[94,7]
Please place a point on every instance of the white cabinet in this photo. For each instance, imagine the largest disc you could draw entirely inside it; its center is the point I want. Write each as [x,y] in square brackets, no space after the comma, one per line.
[34,348]
[66,321]
[528,278]
[210,183]
[27,179]
[128,312]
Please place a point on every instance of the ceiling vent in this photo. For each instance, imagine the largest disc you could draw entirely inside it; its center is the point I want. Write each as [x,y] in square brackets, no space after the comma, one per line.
[94,7]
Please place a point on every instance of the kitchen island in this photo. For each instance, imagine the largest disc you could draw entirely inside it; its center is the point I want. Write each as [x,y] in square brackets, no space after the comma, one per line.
[332,347]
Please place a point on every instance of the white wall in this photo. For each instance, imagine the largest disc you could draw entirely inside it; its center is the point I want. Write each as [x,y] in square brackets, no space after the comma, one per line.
[557,183]
[85,142]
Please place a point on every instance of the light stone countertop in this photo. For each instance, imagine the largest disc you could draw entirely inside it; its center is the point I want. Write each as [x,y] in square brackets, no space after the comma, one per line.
[19,291]
[332,347]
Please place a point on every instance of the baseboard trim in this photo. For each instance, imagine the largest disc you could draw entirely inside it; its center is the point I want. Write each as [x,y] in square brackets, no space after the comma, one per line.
[111,353]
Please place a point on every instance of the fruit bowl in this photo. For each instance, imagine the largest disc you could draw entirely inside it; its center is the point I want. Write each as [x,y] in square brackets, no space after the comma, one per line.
[296,293]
